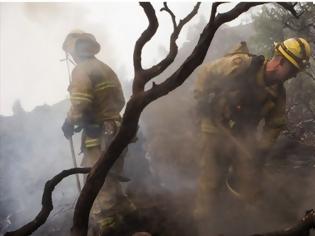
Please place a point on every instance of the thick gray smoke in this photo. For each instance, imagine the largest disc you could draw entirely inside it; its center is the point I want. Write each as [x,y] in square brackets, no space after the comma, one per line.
[33,150]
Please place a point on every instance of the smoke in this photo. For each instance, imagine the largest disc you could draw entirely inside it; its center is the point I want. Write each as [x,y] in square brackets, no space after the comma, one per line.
[33,150]
[163,163]
[36,49]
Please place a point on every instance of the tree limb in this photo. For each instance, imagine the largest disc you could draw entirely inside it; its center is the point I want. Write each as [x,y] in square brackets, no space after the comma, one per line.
[240,8]
[147,34]
[198,54]
[173,50]
[214,10]
[188,17]
[47,205]
[166,8]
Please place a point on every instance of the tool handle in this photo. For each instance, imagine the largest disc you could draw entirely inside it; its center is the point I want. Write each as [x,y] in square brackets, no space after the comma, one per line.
[74,163]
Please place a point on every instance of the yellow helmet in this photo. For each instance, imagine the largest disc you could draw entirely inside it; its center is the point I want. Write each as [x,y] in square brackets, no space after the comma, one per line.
[295,50]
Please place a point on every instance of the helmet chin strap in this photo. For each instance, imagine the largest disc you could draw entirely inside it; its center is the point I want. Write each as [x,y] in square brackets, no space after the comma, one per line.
[67,59]
[68,67]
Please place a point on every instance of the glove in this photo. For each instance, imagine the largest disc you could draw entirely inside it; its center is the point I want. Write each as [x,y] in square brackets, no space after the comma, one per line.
[68,129]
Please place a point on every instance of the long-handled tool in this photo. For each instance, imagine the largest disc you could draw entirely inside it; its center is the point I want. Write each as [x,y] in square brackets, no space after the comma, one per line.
[74,160]
[74,163]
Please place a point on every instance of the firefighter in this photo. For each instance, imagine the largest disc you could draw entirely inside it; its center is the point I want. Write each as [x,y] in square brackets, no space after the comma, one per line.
[96,102]
[235,95]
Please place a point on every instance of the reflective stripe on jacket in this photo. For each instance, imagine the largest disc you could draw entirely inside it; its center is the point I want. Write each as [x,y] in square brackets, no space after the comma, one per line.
[95,93]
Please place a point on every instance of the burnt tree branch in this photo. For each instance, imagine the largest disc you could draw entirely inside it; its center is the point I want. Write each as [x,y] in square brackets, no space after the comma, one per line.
[198,54]
[146,36]
[214,9]
[173,49]
[166,8]
[47,204]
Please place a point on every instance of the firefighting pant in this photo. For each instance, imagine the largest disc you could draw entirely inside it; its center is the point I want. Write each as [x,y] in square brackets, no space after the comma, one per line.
[111,192]
[218,154]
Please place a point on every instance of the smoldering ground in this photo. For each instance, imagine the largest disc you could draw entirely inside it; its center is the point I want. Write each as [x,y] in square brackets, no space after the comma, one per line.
[162,165]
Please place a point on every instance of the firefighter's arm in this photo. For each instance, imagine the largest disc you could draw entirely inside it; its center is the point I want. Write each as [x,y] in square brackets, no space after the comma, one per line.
[81,96]
[275,122]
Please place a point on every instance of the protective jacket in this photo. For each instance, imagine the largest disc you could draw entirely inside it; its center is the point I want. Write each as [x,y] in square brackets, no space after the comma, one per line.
[96,96]
[231,94]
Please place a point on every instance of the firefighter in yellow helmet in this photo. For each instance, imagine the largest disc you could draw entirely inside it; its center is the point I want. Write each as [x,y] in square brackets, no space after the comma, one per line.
[234,94]
[96,102]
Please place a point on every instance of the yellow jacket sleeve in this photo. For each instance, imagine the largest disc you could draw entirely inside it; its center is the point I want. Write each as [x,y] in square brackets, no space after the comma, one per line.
[275,122]
[81,96]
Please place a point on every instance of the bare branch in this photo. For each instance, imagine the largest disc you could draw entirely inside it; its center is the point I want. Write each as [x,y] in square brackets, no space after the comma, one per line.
[166,8]
[47,205]
[198,54]
[214,10]
[147,34]
[302,228]
[240,8]
[162,65]
[188,17]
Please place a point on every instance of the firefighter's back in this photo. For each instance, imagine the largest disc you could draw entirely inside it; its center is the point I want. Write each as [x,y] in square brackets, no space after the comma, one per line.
[108,95]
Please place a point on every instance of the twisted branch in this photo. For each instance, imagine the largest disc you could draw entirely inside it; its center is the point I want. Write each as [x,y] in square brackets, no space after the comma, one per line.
[146,36]
[47,205]
[198,54]
[173,49]
[214,10]
[166,8]
[188,17]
